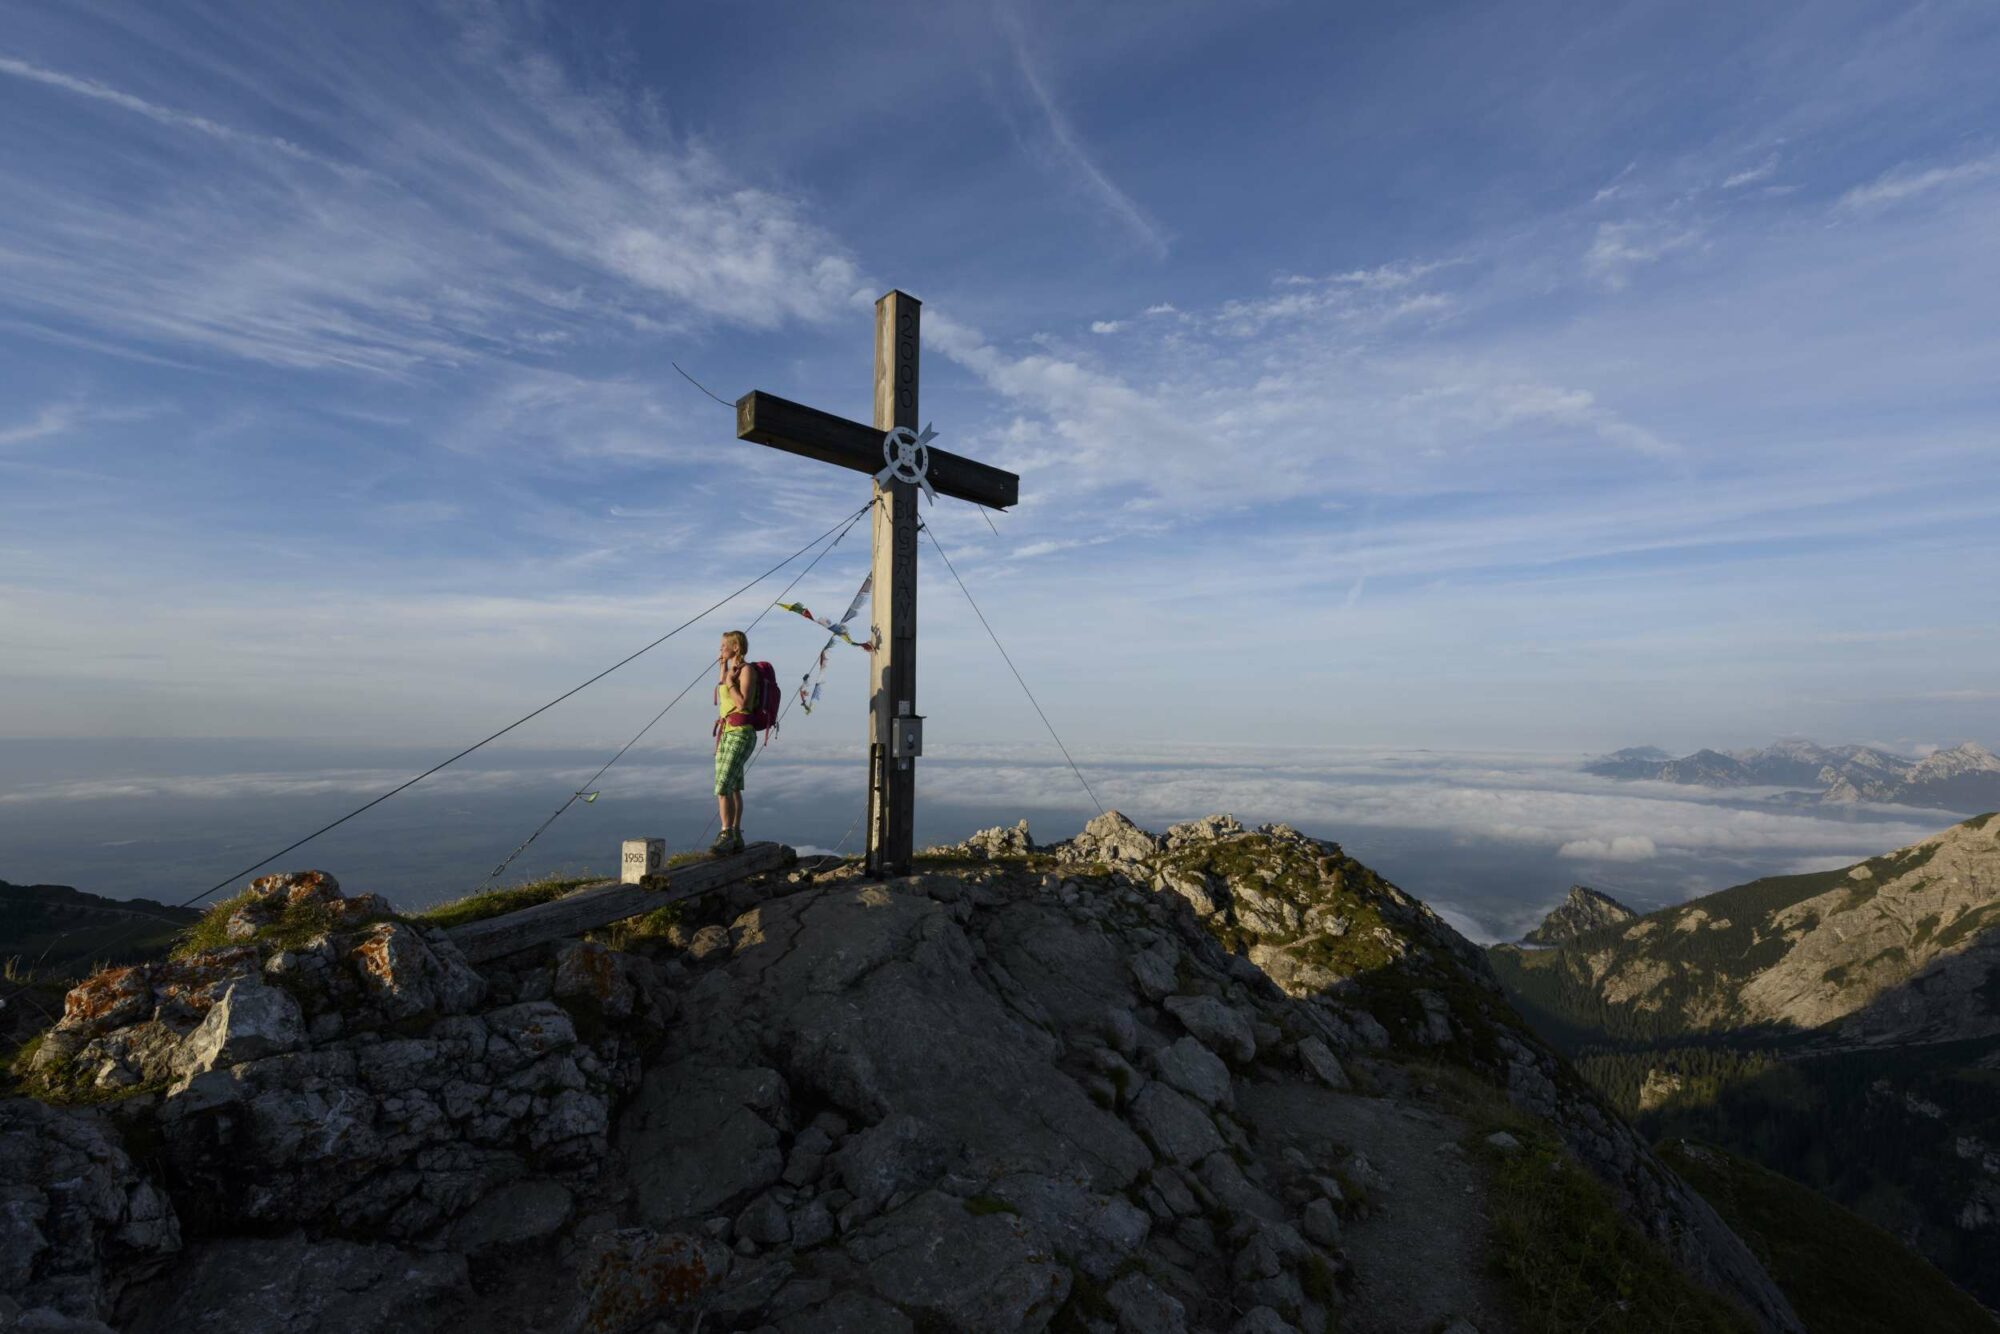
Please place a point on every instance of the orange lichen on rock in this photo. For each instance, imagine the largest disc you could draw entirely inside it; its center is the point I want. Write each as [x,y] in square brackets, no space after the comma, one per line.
[642,1274]
[112,997]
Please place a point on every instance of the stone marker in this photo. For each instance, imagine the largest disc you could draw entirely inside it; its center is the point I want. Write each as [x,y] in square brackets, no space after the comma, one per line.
[641,858]
[602,904]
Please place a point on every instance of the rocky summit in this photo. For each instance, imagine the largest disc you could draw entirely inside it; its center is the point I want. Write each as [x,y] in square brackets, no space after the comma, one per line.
[1218,1079]
[1584,910]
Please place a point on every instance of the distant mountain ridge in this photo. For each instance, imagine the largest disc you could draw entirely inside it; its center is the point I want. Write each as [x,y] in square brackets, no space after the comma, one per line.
[1965,777]
[1841,1027]
[55,927]
[1899,948]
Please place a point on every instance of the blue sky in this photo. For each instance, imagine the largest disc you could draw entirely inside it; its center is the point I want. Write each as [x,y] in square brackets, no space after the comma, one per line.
[1524,375]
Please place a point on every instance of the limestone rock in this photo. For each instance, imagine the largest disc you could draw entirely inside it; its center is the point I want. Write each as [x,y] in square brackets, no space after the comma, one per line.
[1208,829]
[173,994]
[1177,1128]
[251,1020]
[880,1006]
[848,1312]
[708,942]
[1195,1071]
[1322,1064]
[525,1211]
[1111,838]
[1143,1308]
[1221,1027]
[700,1136]
[1099,1232]
[812,1225]
[409,973]
[903,1153]
[47,1320]
[1201,890]
[270,897]
[764,1222]
[1225,1183]
[999,841]
[1156,969]
[77,1220]
[876,1091]
[1583,911]
[1321,1224]
[284,1285]
[978,1273]
[587,970]
[633,1275]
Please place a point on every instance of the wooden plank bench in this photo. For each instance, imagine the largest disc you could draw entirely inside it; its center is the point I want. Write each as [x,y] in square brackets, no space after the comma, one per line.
[601,905]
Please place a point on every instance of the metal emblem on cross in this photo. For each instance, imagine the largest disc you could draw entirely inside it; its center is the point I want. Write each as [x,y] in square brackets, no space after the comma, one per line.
[901,460]
[909,458]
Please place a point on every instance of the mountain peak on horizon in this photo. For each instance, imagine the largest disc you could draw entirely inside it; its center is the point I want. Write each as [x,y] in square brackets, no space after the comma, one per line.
[1965,777]
[1584,909]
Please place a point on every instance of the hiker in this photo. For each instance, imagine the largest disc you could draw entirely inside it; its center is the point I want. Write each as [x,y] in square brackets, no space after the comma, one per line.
[736,698]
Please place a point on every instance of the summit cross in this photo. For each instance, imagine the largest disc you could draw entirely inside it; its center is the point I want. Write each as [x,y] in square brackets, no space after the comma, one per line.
[902,462]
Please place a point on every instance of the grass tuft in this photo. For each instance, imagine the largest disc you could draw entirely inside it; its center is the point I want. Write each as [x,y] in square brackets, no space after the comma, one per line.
[297,925]
[981,1205]
[493,902]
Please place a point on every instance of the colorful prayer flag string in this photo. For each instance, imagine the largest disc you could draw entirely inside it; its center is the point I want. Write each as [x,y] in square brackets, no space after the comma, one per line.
[809,697]
[839,627]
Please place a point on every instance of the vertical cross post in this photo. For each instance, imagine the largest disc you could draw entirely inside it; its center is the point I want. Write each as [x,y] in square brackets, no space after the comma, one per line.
[893,673]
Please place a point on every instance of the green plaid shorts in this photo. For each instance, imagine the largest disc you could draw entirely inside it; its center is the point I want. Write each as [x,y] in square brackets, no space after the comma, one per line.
[732,757]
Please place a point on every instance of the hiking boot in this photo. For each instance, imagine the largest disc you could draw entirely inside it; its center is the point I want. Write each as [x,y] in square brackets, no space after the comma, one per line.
[736,840]
[721,847]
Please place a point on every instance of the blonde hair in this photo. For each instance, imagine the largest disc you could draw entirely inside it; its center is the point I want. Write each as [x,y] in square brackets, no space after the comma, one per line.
[742,641]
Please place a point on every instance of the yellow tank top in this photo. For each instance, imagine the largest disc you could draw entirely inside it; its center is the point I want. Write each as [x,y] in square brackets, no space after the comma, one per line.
[724,694]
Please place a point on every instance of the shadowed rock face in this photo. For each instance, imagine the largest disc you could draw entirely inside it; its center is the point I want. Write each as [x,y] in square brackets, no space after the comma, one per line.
[1118,1081]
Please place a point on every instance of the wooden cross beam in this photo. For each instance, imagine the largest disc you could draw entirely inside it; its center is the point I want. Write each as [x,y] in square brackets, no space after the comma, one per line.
[895,735]
[798,429]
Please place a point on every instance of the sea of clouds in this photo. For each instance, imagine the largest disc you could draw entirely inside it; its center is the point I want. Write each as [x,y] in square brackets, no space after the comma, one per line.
[1489,839]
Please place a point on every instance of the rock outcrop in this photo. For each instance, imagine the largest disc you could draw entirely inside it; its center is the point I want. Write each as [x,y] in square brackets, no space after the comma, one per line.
[1131,1082]
[1584,910]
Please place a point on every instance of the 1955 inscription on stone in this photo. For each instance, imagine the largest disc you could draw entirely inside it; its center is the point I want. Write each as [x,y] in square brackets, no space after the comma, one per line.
[642,857]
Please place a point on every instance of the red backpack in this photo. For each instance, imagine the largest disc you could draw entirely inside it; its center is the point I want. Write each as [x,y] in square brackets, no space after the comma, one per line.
[764,717]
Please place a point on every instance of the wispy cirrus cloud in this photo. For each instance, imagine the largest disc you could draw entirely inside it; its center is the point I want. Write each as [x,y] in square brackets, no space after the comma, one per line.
[49,421]
[1068,147]
[1907,182]
[1763,171]
[1479,439]
[482,218]
[91,88]
[1621,247]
